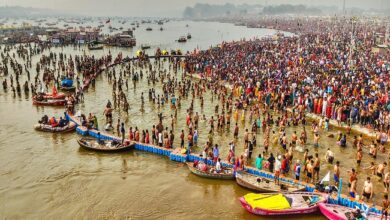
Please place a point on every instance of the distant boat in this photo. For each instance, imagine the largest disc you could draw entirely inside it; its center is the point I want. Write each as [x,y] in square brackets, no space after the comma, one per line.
[92,47]
[145,46]
[161,29]
[182,39]
[149,29]
[187,25]
[189,36]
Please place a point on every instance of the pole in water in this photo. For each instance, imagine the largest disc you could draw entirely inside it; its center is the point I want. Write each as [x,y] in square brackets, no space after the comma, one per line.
[339,189]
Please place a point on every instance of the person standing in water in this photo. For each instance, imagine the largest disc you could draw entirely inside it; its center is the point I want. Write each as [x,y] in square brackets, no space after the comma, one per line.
[317,162]
[123,132]
[368,189]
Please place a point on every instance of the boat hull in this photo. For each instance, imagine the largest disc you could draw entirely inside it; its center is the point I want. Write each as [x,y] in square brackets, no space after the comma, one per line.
[84,143]
[50,102]
[209,175]
[68,89]
[271,187]
[295,211]
[337,212]
[47,128]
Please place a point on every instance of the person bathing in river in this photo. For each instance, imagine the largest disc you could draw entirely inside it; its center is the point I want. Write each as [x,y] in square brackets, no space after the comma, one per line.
[368,189]
[329,156]
[336,173]
[381,170]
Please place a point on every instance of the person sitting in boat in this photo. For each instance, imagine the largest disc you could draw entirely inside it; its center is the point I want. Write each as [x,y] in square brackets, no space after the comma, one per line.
[62,122]
[98,138]
[39,97]
[357,214]
[202,166]
[230,157]
[84,121]
[53,122]
[218,167]
[65,118]
[44,120]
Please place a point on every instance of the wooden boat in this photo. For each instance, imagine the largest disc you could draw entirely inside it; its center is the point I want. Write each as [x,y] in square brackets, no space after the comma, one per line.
[104,146]
[227,174]
[149,29]
[68,89]
[59,95]
[95,47]
[338,212]
[145,46]
[48,128]
[265,185]
[182,39]
[49,102]
[282,203]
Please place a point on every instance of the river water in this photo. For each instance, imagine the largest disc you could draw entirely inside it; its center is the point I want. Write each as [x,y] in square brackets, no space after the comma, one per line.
[47,176]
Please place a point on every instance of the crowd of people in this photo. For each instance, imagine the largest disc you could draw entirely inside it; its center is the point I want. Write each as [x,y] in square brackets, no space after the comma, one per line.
[269,84]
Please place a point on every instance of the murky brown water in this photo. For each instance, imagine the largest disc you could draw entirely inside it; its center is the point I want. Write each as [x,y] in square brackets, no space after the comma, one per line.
[48,176]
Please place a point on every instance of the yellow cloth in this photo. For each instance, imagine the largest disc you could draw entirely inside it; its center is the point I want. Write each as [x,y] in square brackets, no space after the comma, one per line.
[269,202]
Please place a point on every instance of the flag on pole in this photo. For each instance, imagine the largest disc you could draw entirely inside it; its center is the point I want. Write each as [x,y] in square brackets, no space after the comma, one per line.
[326,178]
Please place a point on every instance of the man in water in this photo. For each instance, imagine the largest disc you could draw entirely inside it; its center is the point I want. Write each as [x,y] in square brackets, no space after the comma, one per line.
[367,189]
[316,168]
[329,156]
[309,170]
[123,132]
[336,173]
[381,170]
[352,183]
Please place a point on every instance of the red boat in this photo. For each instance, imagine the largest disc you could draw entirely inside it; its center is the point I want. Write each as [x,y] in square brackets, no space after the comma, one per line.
[49,102]
[56,96]
[48,128]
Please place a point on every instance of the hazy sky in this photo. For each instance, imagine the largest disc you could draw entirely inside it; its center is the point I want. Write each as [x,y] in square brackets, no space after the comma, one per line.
[157,8]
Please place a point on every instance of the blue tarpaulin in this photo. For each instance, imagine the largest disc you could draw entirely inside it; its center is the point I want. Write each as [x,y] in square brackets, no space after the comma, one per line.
[67,82]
